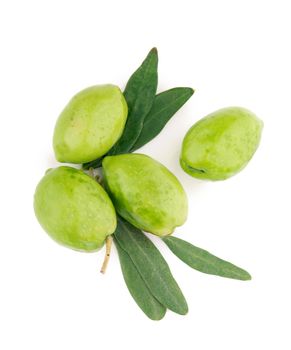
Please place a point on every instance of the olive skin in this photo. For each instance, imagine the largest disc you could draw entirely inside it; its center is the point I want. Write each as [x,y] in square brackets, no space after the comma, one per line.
[74,209]
[90,124]
[145,193]
[221,144]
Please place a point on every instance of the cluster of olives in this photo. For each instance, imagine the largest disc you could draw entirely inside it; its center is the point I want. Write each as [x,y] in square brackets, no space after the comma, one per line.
[74,208]
[79,212]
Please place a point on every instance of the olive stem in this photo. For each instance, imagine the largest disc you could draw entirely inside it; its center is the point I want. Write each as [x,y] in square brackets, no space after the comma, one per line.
[91,172]
[107,254]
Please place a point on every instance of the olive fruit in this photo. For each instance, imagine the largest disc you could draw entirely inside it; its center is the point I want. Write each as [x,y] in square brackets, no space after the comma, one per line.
[90,124]
[221,144]
[74,209]
[145,193]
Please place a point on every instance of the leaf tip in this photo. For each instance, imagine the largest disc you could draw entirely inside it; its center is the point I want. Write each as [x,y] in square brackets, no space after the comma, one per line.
[154,50]
[189,90]
[153,55]
[184,311]
[247,277]
[157,317]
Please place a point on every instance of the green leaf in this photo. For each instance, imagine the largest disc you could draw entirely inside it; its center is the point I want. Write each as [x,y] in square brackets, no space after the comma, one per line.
[137,287]
[152,267]
[139,93]
[201,260]
[165,105]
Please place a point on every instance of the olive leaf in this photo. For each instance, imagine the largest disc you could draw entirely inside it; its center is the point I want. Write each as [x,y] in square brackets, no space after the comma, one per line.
[139,93]
[201,260]
[152,267]
[137,287]
[165,105]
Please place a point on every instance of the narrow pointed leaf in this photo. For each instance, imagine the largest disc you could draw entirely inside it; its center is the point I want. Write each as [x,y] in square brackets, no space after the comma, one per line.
[201,260]
[165,105]
[152,267]
[137,287]
[139,93]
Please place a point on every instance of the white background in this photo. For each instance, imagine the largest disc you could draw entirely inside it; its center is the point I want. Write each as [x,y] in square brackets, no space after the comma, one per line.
[232,53]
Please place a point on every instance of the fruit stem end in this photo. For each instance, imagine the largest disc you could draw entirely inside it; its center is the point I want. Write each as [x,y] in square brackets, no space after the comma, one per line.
[107,254]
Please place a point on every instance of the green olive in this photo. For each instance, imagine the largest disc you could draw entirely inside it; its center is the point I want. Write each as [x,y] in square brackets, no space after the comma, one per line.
[145,193]
[90,124]
[74,209]
[221,144]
